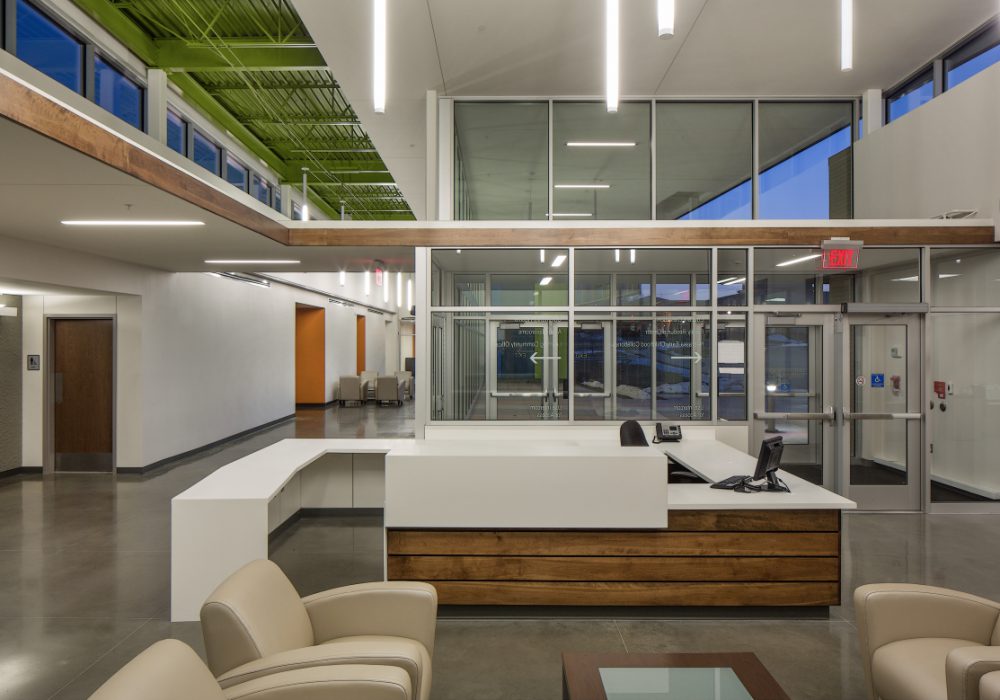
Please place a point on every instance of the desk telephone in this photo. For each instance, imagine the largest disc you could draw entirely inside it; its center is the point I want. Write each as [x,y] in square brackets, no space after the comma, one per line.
[672,434]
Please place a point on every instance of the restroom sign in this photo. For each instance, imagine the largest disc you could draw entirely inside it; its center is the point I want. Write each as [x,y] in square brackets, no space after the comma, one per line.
[878,381]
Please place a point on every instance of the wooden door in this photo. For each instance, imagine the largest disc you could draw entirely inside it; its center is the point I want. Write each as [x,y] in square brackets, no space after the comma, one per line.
[310,355]
[83,394]
[361,344]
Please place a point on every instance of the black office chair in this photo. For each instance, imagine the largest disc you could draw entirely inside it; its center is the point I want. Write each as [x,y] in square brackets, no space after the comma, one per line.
[631,434]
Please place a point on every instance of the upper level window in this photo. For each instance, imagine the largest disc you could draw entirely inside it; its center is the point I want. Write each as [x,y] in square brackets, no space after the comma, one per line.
[918,91]
[261,189]
[206,153]
[805,160]
[42,43]
[117,93]
[277,198]
[237,174]
[974,56]
[177,129]
[296,211]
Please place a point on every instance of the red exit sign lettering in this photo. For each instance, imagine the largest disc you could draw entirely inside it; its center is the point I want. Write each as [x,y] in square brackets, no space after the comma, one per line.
[841,259]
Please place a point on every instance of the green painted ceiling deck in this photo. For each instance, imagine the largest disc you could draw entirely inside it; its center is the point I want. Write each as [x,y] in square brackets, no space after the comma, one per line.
[252,67]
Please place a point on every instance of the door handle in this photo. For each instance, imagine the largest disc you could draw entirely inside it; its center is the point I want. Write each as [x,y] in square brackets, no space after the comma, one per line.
[881,416]
[825,415]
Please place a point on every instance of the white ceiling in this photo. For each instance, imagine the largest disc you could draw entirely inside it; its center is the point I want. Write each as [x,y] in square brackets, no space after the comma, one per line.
[43,182]
[555,47]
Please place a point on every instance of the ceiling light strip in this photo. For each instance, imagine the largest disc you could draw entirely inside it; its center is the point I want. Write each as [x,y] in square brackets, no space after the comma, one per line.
[612,57]
[796,261]
[253,262]
[583,187]
[601,144]
[846,35]
[379,56]
[665,17]
[130,222]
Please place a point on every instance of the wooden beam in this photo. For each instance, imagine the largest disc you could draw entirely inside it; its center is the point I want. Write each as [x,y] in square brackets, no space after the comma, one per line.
[623,237]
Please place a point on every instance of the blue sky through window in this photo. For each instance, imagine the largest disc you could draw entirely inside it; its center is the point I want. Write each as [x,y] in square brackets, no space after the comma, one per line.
[964,71]
[799,186]
[908,102]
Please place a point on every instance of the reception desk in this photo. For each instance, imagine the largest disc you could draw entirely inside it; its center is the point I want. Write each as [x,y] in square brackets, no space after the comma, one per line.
[719,548]
[526,522]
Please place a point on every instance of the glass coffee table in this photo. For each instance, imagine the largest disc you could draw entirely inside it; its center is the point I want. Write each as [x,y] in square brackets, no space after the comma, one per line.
[722,676]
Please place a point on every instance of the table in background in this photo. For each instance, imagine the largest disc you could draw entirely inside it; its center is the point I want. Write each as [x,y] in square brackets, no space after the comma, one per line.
[582,678]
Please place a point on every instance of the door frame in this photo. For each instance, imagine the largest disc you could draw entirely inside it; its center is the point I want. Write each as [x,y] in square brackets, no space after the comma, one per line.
[49,385]
[828,322]
[550,367]
[911,497]
[836,373]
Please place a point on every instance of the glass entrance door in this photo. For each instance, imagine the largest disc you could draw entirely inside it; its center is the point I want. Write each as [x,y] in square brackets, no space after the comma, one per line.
[793,391]
[528,370]
[881,416]
[844,392]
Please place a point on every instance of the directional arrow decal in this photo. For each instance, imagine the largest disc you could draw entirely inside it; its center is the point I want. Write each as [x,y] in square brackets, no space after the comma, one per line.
[696,357]
[535,357]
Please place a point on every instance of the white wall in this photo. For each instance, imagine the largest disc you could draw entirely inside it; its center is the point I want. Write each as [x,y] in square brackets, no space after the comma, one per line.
[199,358]
[944,155]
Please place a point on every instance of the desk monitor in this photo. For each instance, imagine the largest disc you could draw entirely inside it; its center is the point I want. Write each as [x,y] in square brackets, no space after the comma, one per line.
[768,462]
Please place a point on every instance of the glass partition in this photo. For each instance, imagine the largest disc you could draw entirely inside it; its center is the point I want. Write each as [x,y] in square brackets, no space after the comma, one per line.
[601,161]
[501,160]
[643,277]
[806,162]
[731,346]
[704,160]
[684,366]
[731,286]
[795,276]
[509,277]
[965,277]
[965,407]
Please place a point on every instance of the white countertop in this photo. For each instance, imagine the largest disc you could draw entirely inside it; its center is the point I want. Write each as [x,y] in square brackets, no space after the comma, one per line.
[715,461]
[262,474]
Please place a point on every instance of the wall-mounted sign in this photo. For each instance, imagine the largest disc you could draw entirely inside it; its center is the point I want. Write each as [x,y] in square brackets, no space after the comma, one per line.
[34,363]
[878,381]
[841,254]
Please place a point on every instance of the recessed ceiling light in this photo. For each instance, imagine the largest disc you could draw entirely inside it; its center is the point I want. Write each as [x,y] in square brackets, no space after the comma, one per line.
[252,262]
[559,260]
[601,144]
[796,261]
[545,281]
[735,280]
[583,187]
[130,222]
[559,215]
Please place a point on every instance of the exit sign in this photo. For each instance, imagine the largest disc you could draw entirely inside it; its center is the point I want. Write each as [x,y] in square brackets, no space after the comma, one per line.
[841,259]
[842,254]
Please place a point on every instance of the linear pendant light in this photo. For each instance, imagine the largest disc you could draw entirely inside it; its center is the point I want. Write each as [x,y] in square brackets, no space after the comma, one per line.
[665,17]
[145,223]
[846,35]
[378,57]
[611,58]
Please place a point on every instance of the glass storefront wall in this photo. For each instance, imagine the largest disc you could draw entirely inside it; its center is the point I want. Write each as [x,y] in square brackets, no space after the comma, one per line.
[963,335]
[653,159]
[793,276]
[645,342]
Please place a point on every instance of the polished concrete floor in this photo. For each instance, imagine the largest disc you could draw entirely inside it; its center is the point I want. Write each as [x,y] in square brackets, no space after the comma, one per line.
[84,585]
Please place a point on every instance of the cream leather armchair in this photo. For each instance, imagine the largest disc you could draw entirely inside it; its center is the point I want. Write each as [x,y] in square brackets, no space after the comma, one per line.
[170,670]
[989,686]
[256,625]
[926,643]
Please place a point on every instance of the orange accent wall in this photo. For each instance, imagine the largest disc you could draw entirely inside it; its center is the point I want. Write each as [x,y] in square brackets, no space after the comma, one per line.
[361,344]
[310,355]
